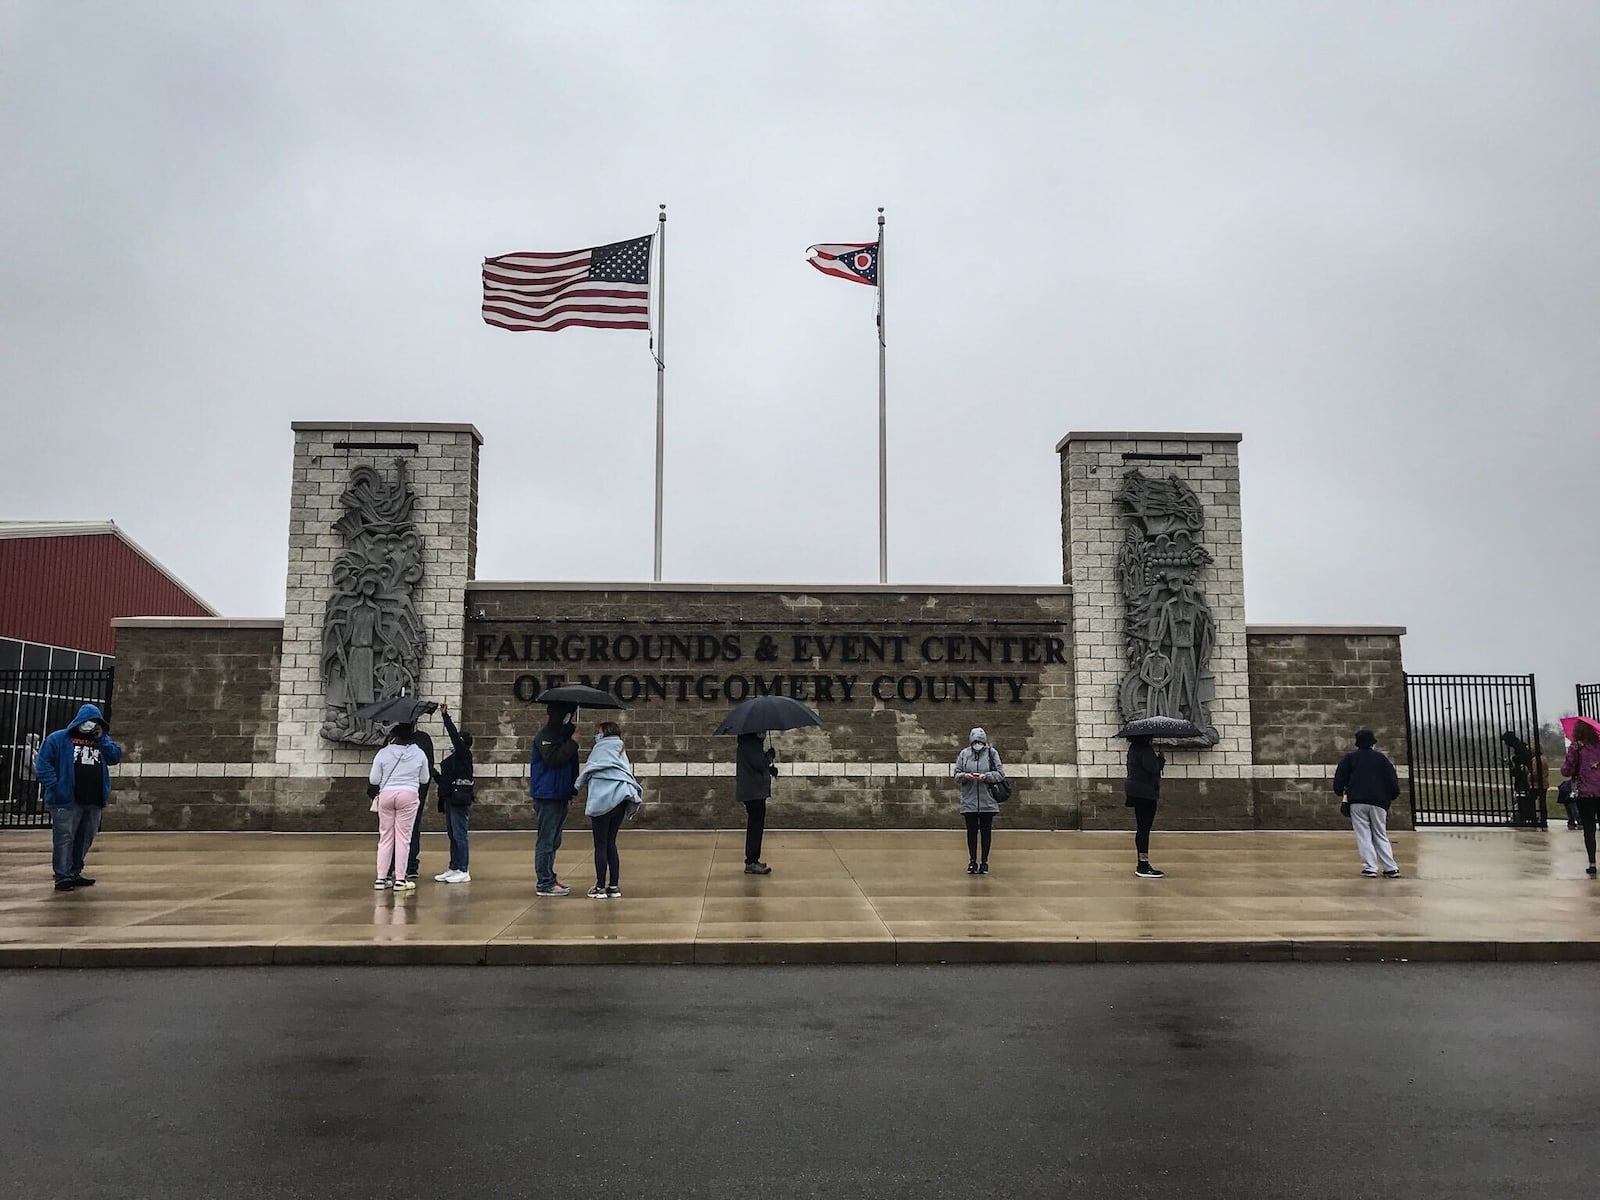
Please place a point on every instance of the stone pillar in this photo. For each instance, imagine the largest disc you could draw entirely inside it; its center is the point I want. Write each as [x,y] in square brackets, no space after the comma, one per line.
[1093,469]
[441,468]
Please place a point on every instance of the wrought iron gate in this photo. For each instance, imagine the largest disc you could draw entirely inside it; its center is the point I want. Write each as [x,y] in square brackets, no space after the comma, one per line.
[33,704]
[1461,772]
[1589,700]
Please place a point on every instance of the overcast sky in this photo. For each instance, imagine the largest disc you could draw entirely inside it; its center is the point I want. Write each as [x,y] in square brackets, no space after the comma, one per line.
[1363,235]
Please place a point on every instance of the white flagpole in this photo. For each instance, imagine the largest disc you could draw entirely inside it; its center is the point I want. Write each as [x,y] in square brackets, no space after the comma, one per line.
[883,426]
[661,369]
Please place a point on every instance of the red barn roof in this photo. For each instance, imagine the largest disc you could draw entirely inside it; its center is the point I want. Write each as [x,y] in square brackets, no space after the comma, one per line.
[63,582]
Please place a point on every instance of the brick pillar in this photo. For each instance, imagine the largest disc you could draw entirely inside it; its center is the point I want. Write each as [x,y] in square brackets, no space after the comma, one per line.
[442,467]
[1092,469]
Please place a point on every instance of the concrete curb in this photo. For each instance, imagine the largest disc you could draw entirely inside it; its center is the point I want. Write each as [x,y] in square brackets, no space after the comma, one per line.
[752,952]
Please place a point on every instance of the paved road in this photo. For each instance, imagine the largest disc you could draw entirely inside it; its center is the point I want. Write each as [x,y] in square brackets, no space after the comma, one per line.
[1160,1081]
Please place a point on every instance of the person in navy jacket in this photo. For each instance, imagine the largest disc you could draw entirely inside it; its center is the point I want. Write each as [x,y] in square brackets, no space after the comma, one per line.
[1367,781]
[73,766]
[552,780]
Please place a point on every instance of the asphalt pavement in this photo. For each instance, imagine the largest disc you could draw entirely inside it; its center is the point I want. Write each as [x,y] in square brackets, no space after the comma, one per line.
[1291,1080]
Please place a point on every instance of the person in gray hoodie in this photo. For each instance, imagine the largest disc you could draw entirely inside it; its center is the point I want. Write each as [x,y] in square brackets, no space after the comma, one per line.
[977,766]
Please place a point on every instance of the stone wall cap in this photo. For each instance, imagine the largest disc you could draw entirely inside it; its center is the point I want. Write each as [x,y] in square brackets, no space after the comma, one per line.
[197,622]
[1146,437]
[387,427]
[1326,630]
[810,589]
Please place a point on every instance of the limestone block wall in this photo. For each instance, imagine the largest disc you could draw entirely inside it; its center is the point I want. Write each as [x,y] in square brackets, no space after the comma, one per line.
[442,465]
[908,672]
[1311,688]
[197,716]
[1210,787]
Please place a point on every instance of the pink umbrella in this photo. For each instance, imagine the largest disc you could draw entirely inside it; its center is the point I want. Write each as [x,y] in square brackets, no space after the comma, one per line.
[1568,724]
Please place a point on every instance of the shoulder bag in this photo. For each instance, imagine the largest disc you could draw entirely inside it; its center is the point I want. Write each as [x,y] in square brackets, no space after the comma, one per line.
[998,792]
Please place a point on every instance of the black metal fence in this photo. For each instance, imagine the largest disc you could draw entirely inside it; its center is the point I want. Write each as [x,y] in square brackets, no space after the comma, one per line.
[32,705]
[1462,773]
[1589,700]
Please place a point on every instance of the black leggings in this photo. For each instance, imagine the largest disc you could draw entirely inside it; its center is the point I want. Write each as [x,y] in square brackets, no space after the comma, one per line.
[605,827]
[1588,806]
[755,824]
[976,822]
[1144,817]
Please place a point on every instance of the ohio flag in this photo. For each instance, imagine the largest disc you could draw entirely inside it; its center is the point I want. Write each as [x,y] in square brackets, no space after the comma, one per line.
[855,261]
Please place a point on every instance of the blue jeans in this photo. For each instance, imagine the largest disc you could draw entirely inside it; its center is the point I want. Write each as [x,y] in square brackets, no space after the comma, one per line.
[72,831]
[551,815]
[455,827]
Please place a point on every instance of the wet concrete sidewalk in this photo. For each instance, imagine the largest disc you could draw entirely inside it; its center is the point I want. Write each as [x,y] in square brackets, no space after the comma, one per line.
[834,897]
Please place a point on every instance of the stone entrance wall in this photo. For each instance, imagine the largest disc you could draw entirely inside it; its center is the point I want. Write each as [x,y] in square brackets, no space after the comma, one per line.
[222,718]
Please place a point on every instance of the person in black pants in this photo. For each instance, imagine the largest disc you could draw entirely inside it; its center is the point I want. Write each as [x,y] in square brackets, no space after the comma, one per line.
[424,743]
[977,767]
[1143,792]
[752,786]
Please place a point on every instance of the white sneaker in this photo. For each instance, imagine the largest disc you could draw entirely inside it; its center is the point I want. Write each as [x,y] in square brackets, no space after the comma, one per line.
[459,877]
[410,885]
[445,877]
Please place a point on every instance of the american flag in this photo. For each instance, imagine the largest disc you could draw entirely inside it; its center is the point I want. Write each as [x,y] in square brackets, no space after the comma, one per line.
[603,287]
[855,261]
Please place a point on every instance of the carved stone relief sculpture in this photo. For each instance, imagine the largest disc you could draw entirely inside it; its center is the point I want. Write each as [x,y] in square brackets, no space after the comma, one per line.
[373,639]
[1170,630]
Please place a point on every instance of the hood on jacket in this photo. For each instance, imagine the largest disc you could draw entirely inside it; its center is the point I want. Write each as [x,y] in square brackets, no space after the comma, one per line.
[560,714]
[89,712]
[1366,739]
[978,737]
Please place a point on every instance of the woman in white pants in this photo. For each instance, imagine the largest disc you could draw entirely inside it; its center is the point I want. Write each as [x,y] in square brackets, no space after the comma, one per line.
[1366,781]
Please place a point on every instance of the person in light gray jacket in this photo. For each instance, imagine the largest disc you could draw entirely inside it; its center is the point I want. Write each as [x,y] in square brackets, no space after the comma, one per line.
[977,766]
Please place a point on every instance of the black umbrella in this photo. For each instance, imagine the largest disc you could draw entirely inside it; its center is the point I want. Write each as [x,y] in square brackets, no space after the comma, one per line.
[766,713]
[1161,727]
[579,695]
[401,708]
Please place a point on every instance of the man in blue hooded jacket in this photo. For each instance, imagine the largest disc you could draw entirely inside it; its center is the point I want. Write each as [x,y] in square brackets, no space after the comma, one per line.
[73,766]
[552,779]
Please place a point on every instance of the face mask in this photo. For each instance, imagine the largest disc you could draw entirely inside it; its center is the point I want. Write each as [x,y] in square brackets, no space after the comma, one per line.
[90,727]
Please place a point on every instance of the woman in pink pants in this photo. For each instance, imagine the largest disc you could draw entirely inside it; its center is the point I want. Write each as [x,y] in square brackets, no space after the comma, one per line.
[398,772]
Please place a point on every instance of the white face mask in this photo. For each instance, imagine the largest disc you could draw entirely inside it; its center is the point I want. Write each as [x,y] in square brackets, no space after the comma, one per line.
[90,727]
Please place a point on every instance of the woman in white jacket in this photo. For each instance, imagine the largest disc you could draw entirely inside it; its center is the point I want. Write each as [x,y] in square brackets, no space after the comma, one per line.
[397,774]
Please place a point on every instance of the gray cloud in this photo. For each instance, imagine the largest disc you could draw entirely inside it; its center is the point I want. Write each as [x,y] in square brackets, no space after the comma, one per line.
[1360,234]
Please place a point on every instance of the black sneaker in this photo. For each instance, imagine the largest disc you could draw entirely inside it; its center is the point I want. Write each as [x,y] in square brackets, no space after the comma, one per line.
[972,867]
[1146,871]
[757,868]
[66,885]
[82,881]
[1395,874]
[983,868]
[1589,871]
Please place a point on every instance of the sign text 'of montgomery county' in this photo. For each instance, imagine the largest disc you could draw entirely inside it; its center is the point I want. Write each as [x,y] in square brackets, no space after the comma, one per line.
[621,663]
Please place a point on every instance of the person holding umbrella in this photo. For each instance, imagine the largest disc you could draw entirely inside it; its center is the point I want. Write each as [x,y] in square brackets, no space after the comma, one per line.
[552,779]
[755,763]
[1582,766]
[1142,789]
[755,767]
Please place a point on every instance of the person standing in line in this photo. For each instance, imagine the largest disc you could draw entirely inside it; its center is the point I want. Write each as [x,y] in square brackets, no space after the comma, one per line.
[754,769]
[424,742]
[978,766]
[1142,793]
[398,773]
[614,793]
[1366,780]
[1519,761]
[455,798]
[1582,766]
[552,776]
[1538,782]
[73,768]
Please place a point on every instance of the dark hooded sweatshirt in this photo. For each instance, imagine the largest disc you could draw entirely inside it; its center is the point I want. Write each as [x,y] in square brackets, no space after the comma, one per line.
[753,772]
[1365,775]
[553,764]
